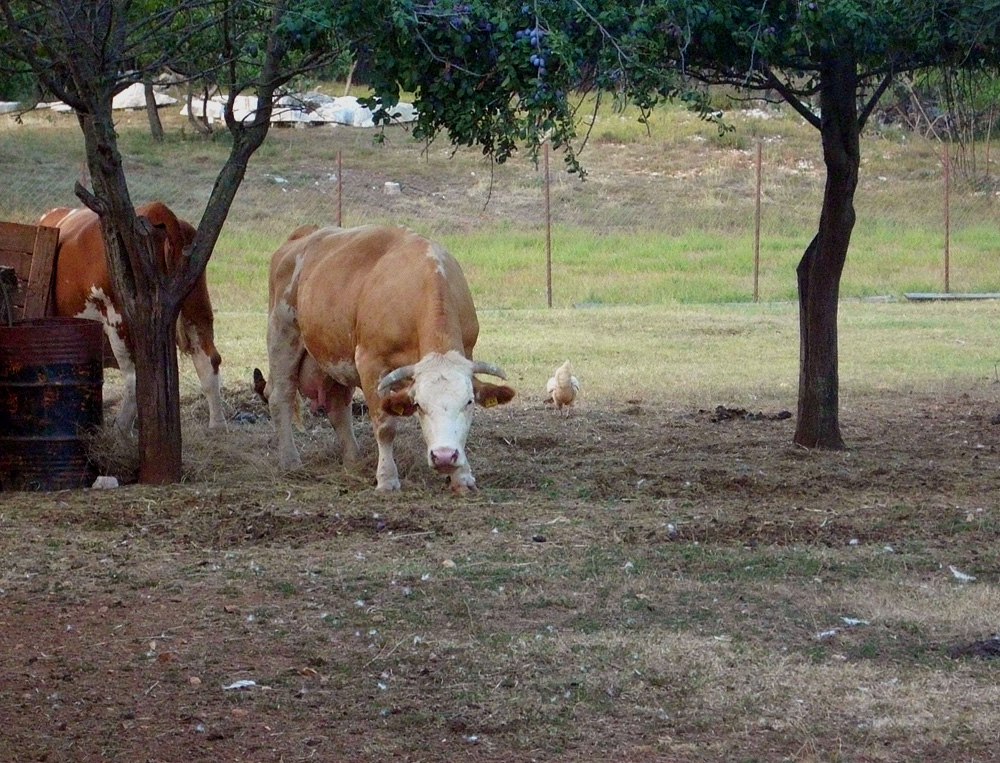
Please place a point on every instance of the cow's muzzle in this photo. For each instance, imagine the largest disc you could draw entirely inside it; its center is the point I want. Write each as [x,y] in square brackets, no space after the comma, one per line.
[444,460]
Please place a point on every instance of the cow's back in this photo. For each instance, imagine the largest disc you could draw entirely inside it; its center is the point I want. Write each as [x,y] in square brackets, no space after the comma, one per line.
[80,268]
[373,286]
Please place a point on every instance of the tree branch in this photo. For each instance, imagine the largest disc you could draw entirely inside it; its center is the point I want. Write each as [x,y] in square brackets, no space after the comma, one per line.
[872,102]
[793,99]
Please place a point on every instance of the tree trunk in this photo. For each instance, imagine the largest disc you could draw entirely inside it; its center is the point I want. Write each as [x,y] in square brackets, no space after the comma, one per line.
[145,297]
[199,122]
[819,271]
[155,126]
[158,397]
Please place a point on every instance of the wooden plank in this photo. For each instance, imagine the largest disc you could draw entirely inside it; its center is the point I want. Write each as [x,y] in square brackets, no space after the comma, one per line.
[17,237]
[31,251]
[8,294]
[921,296]
[43,259]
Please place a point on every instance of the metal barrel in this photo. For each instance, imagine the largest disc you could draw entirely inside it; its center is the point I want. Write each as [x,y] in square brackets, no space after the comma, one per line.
[51,375]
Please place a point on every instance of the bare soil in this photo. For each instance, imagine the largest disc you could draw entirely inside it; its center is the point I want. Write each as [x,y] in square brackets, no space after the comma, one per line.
[632,582]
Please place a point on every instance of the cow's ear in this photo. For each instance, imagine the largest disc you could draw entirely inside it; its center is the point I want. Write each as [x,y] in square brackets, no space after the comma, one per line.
[488,395]
[399,404]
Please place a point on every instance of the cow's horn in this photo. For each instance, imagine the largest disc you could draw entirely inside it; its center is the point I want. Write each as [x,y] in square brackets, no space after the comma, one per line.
[482,367]
[394,377]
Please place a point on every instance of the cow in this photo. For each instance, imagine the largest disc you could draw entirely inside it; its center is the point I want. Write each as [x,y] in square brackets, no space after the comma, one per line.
[82,288]
[389,311]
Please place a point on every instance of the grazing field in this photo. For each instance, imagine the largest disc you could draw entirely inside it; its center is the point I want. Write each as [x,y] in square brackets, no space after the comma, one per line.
[661,576]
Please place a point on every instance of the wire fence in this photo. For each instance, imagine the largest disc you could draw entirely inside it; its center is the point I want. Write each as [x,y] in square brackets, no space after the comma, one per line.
[922,224]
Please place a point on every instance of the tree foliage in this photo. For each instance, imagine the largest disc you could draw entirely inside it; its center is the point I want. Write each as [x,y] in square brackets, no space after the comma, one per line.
[505,74]
[85,53]
[498,74]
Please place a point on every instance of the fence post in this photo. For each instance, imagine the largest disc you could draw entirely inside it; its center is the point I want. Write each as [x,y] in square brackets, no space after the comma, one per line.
[756,228]
[946,160]
[340,190]
[548,230]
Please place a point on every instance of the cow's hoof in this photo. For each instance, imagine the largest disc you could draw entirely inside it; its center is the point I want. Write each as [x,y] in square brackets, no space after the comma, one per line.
[388,486]
[462,486]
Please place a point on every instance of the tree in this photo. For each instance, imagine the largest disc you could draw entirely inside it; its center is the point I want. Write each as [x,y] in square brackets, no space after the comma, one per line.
[85,53]
[494,73]
[497,74]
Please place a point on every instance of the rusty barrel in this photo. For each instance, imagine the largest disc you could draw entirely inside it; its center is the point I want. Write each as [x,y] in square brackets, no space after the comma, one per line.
[51,374]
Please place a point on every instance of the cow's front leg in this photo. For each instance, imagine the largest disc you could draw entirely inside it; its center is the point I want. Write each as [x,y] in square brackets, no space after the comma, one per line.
[339,415]
[128,408]
[461,481]
[386,476]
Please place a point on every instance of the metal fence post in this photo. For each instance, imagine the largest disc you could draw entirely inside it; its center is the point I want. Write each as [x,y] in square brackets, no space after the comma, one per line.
[946,160]
[340,190]
[548,230]
[756,228]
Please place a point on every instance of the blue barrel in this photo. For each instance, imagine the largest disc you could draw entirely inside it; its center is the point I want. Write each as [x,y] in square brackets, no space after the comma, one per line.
[51,379]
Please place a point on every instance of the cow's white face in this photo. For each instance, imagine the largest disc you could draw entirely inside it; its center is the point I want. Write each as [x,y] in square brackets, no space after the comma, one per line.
[442,391]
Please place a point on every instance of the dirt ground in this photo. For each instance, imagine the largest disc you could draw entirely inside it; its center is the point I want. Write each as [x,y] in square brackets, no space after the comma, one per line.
[387,627]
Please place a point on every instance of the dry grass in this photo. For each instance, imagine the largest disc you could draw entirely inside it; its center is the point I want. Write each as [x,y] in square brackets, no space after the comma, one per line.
[638,581]
[635,582]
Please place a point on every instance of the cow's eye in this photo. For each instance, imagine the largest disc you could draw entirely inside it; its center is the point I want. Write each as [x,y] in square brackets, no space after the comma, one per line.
[470,403]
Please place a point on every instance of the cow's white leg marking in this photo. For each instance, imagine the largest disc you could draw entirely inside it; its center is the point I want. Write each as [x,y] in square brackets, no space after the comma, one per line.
[386,475]
[208,375]
[211,387]
[284,351]
[128,408]
[99,308]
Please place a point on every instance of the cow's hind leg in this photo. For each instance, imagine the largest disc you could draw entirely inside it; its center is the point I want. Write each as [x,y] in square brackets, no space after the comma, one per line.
[206,361]
[284,354]
[211,385]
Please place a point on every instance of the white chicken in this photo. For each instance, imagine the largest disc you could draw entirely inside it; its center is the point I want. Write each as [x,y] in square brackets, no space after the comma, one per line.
[563,388]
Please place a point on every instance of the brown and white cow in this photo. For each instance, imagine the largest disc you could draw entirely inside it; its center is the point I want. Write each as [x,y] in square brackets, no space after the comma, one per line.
[83,288]
[386,310]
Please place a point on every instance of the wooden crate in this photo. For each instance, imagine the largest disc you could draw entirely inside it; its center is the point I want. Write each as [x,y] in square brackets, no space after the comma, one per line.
[31,251]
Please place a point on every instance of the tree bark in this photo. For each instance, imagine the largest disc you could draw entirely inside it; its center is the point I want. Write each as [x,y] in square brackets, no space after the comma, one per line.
[199,121]
[155,125]
[819,271]
[148,298]
[160,442]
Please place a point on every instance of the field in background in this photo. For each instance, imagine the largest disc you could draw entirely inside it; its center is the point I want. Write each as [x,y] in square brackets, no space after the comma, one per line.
[661,218]
[661,576]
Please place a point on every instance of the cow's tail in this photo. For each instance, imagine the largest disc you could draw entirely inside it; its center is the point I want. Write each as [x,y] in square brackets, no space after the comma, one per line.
[260,384]
[260,387]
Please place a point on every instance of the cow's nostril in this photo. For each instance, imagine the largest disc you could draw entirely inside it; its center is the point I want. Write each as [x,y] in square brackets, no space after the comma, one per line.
[442,458]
